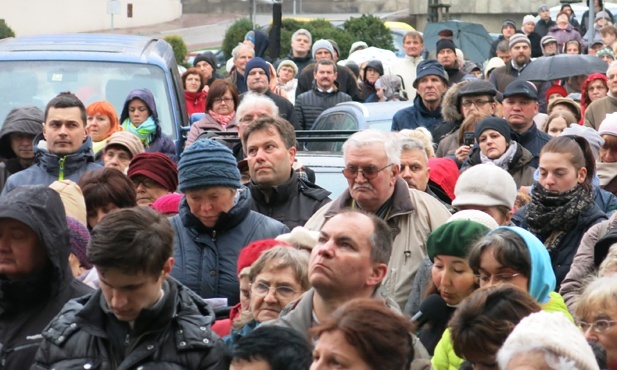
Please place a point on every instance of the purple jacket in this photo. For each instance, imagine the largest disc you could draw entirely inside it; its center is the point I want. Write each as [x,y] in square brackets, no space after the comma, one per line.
[564,35]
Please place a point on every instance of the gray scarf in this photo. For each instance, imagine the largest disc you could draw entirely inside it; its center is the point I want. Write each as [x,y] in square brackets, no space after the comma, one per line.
[505,159]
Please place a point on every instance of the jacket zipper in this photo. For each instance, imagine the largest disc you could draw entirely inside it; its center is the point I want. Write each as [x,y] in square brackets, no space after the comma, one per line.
[61,173]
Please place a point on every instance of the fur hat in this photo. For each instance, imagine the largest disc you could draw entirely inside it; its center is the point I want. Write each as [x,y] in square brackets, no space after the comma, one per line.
[322,44]
[257,62]
[552,332]
[485,185]
[155,166]
[454,238]
[207,163]
[126,140]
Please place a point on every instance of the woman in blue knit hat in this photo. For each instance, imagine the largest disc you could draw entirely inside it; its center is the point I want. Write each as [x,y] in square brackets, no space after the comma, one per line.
[214,222]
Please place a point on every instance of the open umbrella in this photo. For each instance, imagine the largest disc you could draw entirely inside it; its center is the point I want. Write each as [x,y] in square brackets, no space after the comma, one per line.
[387,57]
[471,38]
[563,66]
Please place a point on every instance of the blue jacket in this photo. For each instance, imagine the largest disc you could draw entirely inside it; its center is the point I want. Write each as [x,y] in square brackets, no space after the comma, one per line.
[532,140]
[563,254]
[206,258]
[417,115]
[50,167]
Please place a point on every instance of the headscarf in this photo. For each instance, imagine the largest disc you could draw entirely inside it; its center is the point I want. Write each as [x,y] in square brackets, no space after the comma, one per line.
[584,95]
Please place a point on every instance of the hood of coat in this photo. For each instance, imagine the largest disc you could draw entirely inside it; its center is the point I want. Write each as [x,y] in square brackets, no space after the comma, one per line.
[23,120]
[449,104]
[144,95]
[42,210]
[261,43]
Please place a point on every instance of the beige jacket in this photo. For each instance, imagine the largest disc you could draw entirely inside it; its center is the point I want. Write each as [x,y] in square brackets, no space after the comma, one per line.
[414,215]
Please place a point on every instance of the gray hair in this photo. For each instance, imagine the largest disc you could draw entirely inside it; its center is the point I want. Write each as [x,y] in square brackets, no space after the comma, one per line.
[282,257]
[390,142]
[412,143]
[240,47]
[252,100]
[611,66]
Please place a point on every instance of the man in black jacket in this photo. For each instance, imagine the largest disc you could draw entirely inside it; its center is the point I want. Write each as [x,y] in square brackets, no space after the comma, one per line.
[35,277]
[300,52]
[140,317]
[276,189]
[545,22]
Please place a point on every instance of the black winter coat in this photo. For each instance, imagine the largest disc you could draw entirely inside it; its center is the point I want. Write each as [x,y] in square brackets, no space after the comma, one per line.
[291,203]
[178,337]
[27,306]
[310,104]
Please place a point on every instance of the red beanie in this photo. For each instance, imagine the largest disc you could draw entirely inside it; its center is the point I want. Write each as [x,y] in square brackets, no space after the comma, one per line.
[250,253]
[156,166]
[444,172]
[556,89]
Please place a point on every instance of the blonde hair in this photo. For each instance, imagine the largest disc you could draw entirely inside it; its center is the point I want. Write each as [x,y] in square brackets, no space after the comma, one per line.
[609,265]
[599,295]
[423,135]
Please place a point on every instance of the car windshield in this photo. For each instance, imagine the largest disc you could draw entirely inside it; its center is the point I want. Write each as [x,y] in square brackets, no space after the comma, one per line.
[37,82]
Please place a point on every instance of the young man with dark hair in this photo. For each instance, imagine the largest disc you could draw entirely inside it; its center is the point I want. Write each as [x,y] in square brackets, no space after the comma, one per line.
[272,348]
[139,317]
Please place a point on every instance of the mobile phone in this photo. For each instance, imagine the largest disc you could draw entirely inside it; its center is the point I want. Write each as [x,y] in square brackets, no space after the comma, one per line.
[469,138]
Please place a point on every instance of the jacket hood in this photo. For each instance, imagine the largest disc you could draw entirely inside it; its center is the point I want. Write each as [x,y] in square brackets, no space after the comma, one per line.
[449,104]
[261,43]
[542,280]
[24,120]
[376,65]
[144,95]
[42,210]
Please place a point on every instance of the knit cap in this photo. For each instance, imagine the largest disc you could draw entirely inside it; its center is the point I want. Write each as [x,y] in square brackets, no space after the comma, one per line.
[529,19]
[208,163]
[606,51]
[322,44]
[257,62]
[508,23]
[79,239]
[167,204]
[155,166]
[494,123]
[250,253]
[127,140]
[608,125]
[485,185]
[287,63]
[516,38]
[430,67]
[335,46]
[454,238]
[475,216]
[556,89]
[550,331]
[301,237]
[445,44]
[602,15]
[546,39]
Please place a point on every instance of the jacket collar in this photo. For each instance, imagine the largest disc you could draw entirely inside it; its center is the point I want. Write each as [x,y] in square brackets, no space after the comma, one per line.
[279,193]
[72,162]
[419,105]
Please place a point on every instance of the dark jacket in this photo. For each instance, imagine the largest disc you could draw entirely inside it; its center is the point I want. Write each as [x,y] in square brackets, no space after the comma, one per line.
[417,115]
[585,20]
[211,59]
[563,254]
[27,306]
[291,203]
[178,336]
[238,79]
[301,62]
[50,167]
[455,75]
[206,258]
[493,50]
[310,104]
[158,142]
[520,168]
[261,44]
[345,78]
[536,48]
[543,27]
[367,89]
[532,140]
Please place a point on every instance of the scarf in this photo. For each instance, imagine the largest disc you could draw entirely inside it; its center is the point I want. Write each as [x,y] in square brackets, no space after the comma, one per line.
[606,172]
[551,214]
[222,119]
[505,159]
[98,146]
[145,132]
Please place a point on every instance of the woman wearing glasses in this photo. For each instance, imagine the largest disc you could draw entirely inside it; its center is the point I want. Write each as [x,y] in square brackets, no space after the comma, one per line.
[495,145]
[221,105]
[596,314]
[279,276]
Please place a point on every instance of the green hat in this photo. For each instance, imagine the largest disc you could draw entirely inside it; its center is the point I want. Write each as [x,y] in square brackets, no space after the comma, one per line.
[454,238]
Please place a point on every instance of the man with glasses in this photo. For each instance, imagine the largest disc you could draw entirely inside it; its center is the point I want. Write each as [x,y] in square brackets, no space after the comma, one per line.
[372,160]
[520,105]
[153,175]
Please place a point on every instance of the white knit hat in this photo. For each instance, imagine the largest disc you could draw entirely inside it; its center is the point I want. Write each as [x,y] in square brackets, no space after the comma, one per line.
[609,125]
[552,332]
[474,215]
[485,185]
[300,237]
[529,19]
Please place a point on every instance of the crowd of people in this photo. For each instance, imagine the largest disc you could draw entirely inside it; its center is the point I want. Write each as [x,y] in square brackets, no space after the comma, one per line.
[479,233]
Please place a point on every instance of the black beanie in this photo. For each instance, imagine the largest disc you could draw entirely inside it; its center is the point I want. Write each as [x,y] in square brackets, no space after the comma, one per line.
[494,123]
[445,44]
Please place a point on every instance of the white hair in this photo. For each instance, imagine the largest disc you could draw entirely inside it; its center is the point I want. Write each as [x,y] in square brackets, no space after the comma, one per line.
[553,360]
[390,141]
[613,65]
[409,143]
[240,47]
[251,100]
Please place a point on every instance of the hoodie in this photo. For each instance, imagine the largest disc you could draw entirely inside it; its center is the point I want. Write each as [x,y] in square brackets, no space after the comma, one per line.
[28,305]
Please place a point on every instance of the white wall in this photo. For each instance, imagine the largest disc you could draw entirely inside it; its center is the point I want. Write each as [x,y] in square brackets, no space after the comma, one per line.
[31,17]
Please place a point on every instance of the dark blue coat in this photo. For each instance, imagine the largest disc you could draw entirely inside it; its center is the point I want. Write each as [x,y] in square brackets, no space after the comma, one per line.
[206,258]
[532,140]
[417,115]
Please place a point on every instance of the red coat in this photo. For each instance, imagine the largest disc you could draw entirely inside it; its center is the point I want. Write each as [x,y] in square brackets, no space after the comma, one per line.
[195,102]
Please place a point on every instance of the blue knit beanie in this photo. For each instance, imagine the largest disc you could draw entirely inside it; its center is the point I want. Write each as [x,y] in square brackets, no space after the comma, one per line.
[257,62]
[207,163]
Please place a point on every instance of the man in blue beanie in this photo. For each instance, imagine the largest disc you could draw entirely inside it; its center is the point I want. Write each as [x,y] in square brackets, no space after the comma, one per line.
[257,74]
[214,222]
[431,83]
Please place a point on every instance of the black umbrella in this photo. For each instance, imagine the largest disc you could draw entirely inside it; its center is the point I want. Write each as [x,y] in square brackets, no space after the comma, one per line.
[563,66]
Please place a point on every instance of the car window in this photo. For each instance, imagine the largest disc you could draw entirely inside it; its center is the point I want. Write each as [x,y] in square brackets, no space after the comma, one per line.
[337,121]
[37,82]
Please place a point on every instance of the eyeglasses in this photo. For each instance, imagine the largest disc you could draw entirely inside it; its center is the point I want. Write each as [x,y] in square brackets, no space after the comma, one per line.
[146,182]
[477,103]
[599,326]
[504,277]
[222,100]
[369,172]
[283,291]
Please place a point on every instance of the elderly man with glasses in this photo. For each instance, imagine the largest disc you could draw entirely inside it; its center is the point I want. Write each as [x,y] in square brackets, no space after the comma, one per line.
[372,160]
